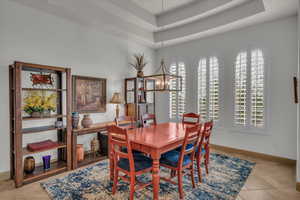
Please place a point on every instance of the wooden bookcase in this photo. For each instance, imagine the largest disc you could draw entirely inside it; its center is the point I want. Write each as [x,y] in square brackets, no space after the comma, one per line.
[18,149]
[139,97]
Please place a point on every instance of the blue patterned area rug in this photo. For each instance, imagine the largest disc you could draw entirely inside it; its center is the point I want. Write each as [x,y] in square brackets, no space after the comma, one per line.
[224,182]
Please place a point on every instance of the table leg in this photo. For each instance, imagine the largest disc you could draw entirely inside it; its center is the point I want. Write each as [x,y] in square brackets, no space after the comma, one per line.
[155,176]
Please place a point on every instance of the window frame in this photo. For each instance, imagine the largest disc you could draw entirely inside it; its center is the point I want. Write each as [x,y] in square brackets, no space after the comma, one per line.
[220,94]
[249,128]
[177,63]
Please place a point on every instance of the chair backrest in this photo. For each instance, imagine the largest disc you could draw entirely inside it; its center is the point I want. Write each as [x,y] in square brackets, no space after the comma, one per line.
[148,117]
[128,119]
[206,133]
[195,117]
[192,136]
[118,140]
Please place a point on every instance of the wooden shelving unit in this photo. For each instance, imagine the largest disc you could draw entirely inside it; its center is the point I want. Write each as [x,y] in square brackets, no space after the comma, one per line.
[139,97]
[64,104]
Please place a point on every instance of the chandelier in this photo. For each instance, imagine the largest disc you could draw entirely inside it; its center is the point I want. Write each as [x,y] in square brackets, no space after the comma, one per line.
[164,80]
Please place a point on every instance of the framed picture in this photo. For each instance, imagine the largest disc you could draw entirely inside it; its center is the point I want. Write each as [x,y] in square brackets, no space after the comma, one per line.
[89,94]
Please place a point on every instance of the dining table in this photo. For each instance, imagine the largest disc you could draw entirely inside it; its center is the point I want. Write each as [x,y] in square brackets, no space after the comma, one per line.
[155,140]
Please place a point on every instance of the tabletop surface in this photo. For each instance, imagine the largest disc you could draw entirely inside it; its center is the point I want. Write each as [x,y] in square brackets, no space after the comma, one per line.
[158,136]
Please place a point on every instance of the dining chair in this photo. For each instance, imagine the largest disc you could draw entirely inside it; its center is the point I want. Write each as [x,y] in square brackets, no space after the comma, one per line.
[190,118]
[148,119]
[203,148]
[129,164]
[130,122]
[179,161]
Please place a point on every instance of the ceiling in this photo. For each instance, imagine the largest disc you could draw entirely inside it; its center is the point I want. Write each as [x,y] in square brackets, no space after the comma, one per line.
[184,20]
[155,6]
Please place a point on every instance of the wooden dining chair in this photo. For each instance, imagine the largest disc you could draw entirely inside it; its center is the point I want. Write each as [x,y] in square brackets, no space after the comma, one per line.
[203,148]
[148,119]
[127,122]
[129,164]
[179,161]
[190,118]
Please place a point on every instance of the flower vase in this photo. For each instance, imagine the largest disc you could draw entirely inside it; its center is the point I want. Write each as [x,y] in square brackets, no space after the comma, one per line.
[35,114]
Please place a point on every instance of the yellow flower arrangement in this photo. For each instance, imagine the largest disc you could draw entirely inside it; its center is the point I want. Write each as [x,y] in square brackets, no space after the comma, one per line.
[35,102]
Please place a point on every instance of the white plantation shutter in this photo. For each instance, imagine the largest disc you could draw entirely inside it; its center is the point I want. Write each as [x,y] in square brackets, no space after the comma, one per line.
[257,88]
[202,97]
[181,94]
[240,90]
[213,89]
[173,95]
[249,105]
[177,99]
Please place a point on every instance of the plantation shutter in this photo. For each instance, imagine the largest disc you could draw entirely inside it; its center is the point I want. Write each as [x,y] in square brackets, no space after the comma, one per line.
[173,95]
[202,97]
[213,89]
[257,88]
[240,90]
[181,94]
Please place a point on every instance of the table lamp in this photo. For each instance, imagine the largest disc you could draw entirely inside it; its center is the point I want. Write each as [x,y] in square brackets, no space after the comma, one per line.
[116,99]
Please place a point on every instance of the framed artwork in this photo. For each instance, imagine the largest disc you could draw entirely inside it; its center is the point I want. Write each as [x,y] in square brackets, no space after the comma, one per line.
[89,94]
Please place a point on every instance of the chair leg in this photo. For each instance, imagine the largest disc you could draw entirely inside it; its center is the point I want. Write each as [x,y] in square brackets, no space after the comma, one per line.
[173,173]
[206,160]
[116,176]
[132,184]
[198,162]
[180,185]
[192,175]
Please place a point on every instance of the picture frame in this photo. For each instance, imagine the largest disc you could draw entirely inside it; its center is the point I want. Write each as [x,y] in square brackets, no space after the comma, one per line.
[89,94]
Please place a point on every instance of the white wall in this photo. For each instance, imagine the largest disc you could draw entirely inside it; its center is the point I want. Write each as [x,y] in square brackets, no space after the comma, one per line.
[278,40]
[30,35]
[298,127]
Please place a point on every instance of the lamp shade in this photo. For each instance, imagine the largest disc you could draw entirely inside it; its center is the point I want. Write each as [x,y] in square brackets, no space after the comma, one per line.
[116,98]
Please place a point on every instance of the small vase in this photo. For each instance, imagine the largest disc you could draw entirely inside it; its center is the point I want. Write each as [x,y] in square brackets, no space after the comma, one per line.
[140,74]
[75,120]
[80,152]
[46,113]
[29,165]
[36,114]
[86,121]
[46,162]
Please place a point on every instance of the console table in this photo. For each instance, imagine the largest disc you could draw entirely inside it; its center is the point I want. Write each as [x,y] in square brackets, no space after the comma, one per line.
[95,128]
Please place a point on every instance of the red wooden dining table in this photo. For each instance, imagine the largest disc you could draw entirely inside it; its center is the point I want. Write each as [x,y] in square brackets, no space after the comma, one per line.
[156,140]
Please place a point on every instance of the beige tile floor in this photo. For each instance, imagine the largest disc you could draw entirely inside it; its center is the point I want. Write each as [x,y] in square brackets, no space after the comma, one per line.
[268,181]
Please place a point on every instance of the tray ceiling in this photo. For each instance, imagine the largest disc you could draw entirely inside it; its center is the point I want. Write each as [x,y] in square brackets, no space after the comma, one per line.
[155,6]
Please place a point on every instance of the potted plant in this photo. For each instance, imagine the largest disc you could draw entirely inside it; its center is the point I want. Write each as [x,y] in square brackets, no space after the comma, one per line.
[37,105]
[139,64]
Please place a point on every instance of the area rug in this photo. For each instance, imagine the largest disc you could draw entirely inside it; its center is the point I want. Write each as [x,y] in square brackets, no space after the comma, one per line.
[225,180]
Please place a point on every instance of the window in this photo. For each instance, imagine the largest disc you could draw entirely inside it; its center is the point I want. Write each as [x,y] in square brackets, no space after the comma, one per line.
[240,88]
[177,99]
[257,88]
[202,98]
[249,89]
[208,88]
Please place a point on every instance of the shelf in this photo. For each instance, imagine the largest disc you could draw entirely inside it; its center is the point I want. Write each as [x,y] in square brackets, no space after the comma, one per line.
[43,117]
[43,89]
[27,152]
[39,172]
[40,129]
[89,159]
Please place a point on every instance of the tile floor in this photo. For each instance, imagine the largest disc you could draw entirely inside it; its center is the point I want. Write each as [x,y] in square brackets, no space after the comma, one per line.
[268,181]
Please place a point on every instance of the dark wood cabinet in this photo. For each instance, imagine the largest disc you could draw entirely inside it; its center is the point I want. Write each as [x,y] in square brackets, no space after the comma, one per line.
[139,97]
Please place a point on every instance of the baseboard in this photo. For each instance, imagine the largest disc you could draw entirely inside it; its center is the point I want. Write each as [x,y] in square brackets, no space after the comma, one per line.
[298,186]
[4,176]
[254,154]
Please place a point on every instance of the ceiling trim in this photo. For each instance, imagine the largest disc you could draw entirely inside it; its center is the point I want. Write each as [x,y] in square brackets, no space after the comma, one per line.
[242,11]
[191,10]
